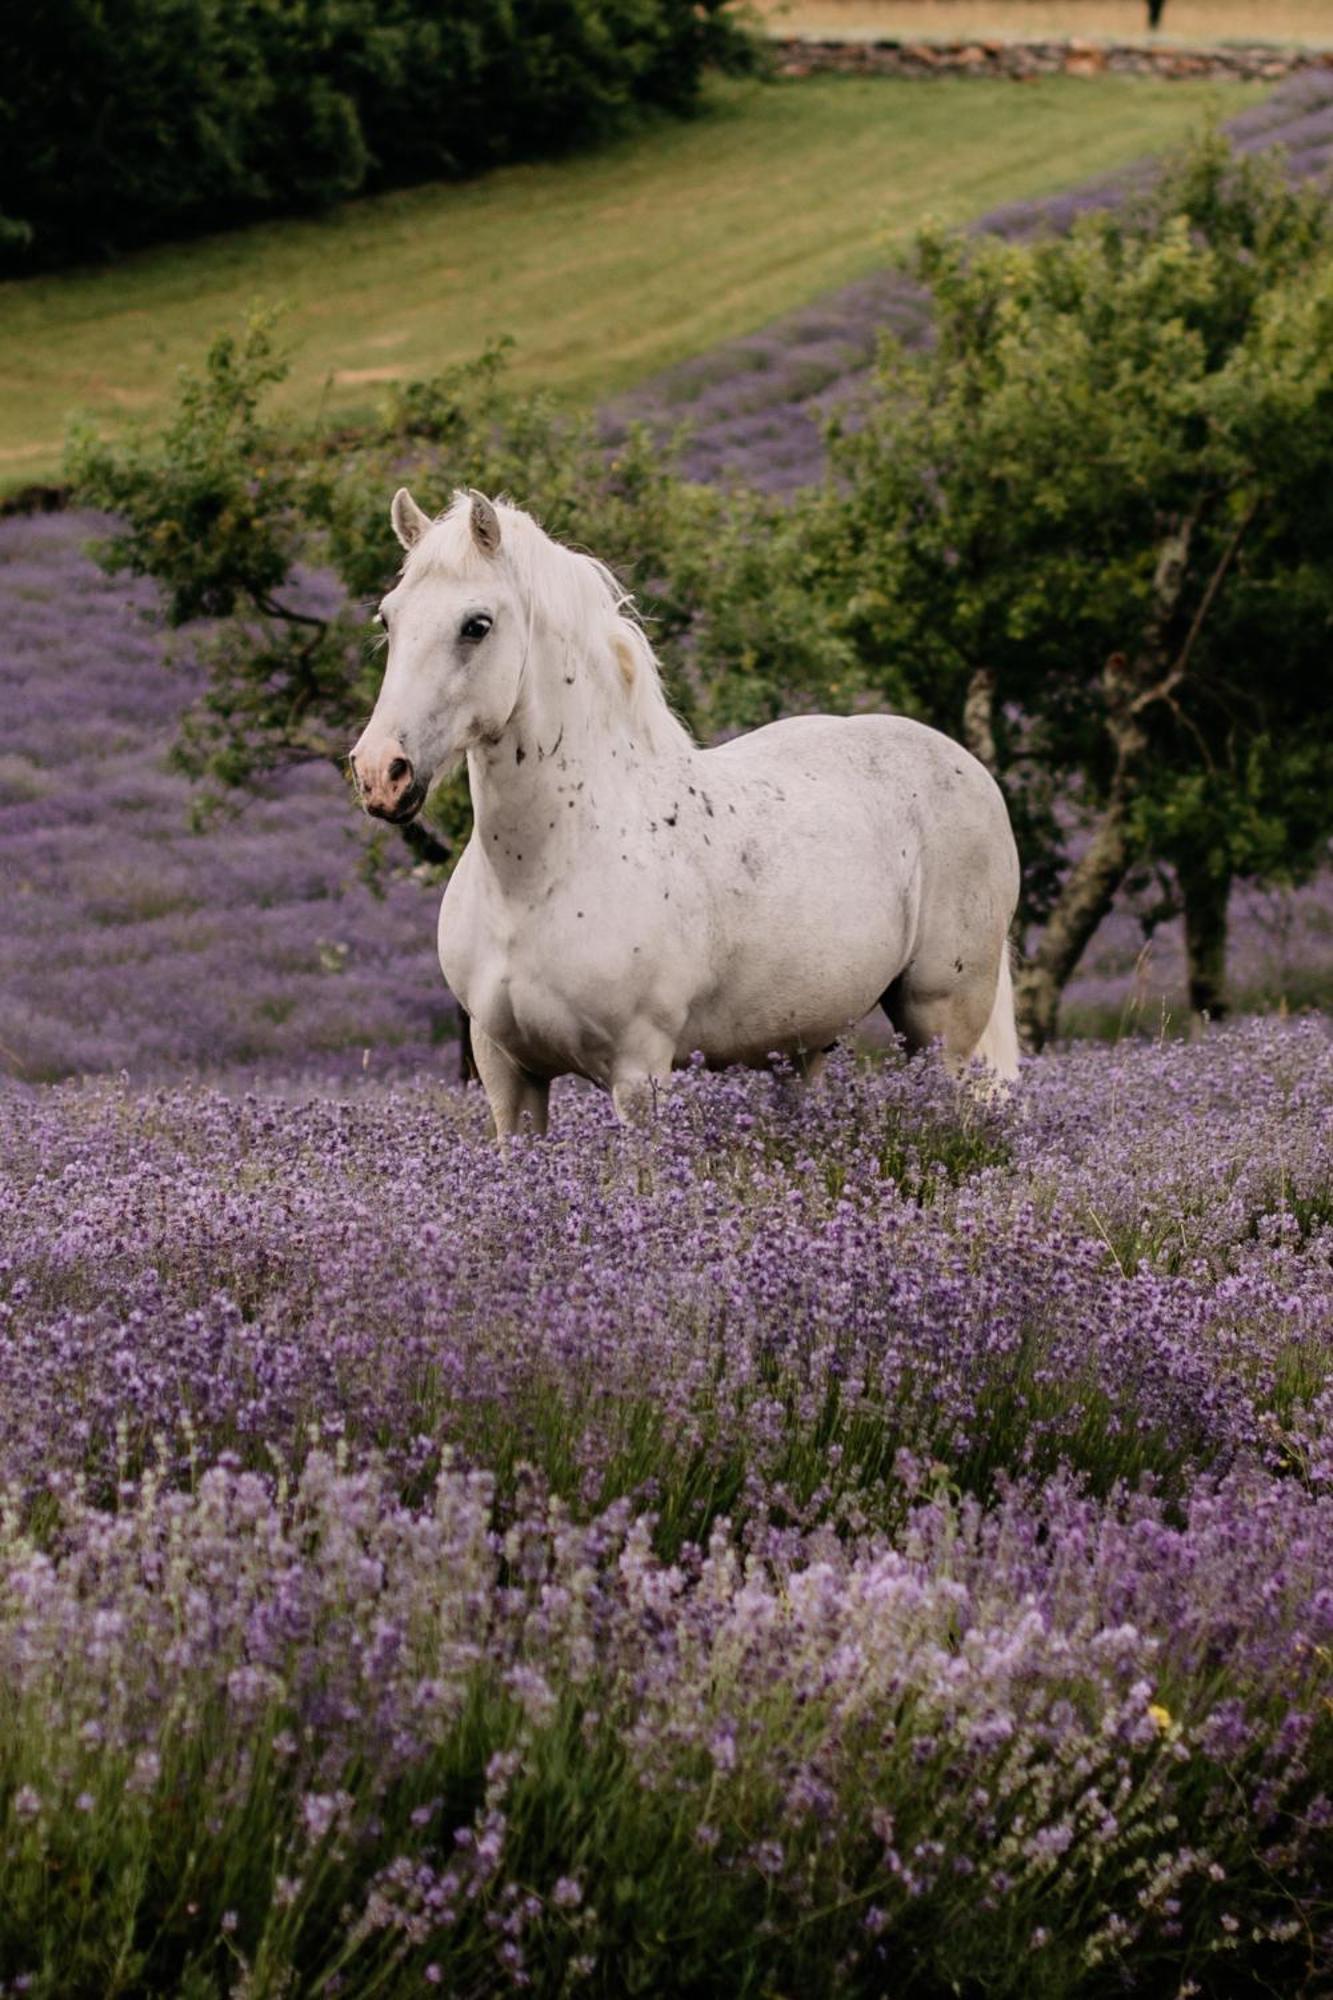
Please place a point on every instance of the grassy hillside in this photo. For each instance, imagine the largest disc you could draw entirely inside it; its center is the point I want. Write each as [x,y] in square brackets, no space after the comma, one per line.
[604,268]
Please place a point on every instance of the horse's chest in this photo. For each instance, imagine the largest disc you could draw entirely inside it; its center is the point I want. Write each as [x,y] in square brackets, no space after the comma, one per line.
[546,983]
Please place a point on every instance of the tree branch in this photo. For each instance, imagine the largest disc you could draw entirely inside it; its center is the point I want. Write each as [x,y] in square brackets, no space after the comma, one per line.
[1181,665]
[271,608]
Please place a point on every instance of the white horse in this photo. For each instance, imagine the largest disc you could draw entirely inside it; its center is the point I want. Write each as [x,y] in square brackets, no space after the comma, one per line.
[627,898]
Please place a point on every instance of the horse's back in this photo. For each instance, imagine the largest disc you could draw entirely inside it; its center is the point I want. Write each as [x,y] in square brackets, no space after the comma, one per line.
[922,791]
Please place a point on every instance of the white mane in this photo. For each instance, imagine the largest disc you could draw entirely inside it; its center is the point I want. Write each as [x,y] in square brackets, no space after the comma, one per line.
[576,600]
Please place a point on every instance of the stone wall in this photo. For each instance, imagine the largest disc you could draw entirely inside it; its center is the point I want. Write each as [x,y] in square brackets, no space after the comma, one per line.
[1256,61]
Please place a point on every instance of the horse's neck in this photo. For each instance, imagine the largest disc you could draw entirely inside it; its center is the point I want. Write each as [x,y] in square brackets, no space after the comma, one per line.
[561,774]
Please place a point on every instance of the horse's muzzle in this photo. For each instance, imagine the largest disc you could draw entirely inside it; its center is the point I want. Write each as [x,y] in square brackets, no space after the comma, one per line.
[407,807]
[389,788]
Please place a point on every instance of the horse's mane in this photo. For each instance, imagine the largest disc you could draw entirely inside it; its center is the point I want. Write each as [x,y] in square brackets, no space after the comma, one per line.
[577,599]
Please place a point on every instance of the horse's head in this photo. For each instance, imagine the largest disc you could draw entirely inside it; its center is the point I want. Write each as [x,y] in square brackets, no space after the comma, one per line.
[457,638]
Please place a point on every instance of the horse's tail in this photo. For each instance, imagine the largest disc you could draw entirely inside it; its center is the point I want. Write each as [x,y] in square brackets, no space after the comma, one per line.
[998,1046]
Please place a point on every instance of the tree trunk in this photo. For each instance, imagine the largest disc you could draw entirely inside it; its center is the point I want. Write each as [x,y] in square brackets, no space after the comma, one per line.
[1088,894]
[979,718]
[1206,897]
[1155,14]
[1128,688]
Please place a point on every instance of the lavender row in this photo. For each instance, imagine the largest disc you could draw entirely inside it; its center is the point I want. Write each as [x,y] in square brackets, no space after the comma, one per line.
[1127,1271]
[130,939]
[327,1738]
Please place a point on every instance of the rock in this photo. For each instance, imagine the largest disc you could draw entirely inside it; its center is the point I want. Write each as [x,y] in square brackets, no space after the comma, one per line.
[1261,62]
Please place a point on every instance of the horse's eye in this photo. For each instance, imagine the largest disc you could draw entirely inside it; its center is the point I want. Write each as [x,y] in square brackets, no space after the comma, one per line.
[475,628]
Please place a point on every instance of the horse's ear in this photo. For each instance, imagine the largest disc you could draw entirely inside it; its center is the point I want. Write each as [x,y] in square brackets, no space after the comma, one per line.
[409,523]
[485,525]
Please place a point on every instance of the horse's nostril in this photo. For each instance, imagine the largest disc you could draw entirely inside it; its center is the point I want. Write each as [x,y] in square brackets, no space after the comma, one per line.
[399,769]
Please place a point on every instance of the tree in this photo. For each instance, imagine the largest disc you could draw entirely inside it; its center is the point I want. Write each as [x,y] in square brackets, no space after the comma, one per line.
[233,513]
[1088,530]
[1156,8]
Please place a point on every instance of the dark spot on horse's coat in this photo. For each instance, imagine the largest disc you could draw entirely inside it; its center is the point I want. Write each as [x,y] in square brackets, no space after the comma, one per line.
[731,809]
[958,965]
[652,826]
[570,804]
[519,753]
[708,804]
[569,680]
[671,817]
[693,793]
[550,826]
[578,913]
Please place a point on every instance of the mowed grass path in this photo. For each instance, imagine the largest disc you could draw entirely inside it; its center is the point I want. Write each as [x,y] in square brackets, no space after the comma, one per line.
[603,268]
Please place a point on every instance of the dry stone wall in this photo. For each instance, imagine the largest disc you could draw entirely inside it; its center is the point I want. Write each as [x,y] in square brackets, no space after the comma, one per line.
[1258,62]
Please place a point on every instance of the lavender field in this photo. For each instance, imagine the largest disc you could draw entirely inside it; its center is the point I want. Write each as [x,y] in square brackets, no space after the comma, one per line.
[133,942]
[786,1550]
[868,1541]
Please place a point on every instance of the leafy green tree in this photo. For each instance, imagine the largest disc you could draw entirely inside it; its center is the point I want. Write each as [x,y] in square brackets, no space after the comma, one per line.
[1089,531]
[234,515]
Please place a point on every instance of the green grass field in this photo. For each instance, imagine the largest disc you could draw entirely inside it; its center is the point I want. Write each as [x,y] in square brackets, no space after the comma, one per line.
[603,268]
[1121,20]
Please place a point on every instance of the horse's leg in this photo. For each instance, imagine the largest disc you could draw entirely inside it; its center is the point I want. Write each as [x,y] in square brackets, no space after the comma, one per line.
[952,1011]
[640,1071]
[517,1099]
[809,1063]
